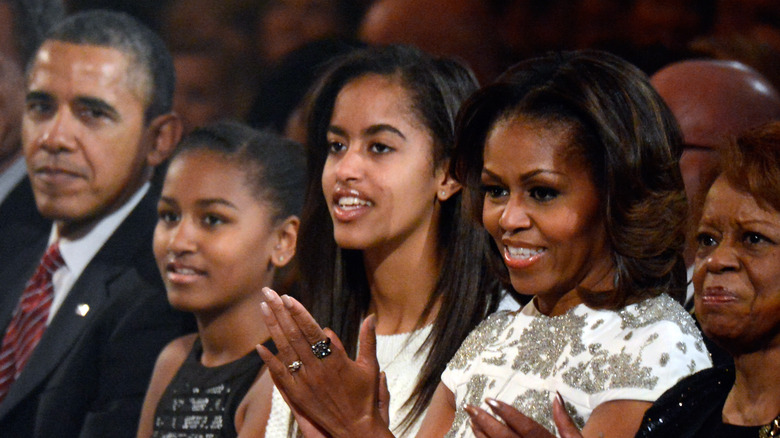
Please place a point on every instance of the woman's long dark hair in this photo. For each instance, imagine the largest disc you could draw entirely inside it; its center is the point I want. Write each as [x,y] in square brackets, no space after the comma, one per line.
[630,141]
[335,287]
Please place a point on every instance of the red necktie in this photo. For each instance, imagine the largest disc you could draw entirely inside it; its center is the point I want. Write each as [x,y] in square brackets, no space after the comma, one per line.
[28,321]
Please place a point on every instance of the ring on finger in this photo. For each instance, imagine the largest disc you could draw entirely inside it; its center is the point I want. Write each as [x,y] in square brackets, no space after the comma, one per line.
[295,366]
[321,349]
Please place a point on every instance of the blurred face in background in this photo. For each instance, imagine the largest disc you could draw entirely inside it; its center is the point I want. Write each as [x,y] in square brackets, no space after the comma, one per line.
[202,93]
[670,23]
[712,101]
[289,24]
[11,89]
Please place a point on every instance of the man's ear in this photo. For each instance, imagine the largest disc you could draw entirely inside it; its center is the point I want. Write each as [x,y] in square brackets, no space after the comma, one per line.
[447,185]
[286,239]
[165,132]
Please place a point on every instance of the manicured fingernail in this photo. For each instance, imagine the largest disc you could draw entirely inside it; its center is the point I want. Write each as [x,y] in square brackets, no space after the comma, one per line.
[265,309]
[286,301]
[471,411]
[268,293]
[494,405]
[560,398]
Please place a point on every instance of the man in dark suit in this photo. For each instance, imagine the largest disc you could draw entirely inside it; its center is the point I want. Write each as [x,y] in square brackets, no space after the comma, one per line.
[97,121]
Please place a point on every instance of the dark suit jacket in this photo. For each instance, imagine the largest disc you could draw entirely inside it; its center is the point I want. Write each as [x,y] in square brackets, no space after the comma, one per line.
[88,375]
[20,222]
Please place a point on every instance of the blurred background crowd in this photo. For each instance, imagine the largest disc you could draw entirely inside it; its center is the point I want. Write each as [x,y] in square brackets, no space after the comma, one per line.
[254,59]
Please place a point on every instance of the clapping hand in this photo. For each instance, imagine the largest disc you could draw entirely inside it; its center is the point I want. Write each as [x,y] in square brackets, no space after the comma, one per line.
[328,392]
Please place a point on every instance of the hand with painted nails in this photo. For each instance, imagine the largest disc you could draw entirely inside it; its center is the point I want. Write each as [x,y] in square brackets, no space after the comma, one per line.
[518,425]
[327,391]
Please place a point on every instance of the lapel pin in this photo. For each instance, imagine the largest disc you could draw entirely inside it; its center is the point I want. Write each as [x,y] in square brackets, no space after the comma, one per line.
[82,309]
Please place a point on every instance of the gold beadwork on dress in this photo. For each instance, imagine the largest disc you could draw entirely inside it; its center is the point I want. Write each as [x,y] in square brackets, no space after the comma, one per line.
[523,358]
[544,341]
[475,391]
[485,335]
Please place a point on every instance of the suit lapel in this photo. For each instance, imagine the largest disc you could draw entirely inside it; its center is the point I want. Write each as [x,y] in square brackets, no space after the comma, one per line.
[92,288]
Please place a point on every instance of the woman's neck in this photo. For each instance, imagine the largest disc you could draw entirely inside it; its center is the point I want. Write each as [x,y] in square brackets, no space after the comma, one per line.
[597,285]
[401,281]
[557,305]
[230,334]
[755,397]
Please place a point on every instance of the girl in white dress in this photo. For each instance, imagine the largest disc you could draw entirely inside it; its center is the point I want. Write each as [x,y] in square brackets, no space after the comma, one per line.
[382,230]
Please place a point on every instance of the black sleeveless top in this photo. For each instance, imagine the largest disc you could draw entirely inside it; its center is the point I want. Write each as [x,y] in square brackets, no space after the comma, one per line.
[201,402]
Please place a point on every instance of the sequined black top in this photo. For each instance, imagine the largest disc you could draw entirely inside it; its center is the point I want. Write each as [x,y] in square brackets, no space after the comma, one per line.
[202,401]
[693,408]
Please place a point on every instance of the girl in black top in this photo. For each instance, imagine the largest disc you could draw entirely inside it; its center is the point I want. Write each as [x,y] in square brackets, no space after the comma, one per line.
[227,221]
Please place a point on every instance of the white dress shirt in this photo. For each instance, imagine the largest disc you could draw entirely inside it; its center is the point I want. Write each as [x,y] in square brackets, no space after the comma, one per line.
[77,253]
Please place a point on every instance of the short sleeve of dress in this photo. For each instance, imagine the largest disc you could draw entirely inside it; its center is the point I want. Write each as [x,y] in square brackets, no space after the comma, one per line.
[660,339]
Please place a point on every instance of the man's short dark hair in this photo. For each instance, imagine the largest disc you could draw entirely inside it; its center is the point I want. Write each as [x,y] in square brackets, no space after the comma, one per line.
[122,32]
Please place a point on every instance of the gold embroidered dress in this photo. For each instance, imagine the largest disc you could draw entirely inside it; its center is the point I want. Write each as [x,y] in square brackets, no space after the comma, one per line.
[589,356]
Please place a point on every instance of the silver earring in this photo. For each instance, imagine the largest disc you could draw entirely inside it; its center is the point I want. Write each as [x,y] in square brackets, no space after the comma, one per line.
[443,193]
[281,258]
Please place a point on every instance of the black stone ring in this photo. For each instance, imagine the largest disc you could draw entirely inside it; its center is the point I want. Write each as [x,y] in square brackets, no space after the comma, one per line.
[321,349]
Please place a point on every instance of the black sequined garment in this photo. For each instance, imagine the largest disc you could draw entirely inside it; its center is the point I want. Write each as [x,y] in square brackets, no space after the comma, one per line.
[201,402]
[693,408]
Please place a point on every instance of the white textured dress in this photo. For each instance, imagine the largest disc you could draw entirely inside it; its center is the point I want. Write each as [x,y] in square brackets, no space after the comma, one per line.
[401,358]
[589,356]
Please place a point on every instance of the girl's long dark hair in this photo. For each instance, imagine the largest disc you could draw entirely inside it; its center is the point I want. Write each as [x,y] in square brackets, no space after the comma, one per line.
[334,283]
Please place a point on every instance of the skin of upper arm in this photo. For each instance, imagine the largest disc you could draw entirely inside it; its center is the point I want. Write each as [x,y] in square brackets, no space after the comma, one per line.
[441,413]
[253,412]
[168,363]
[615,419]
